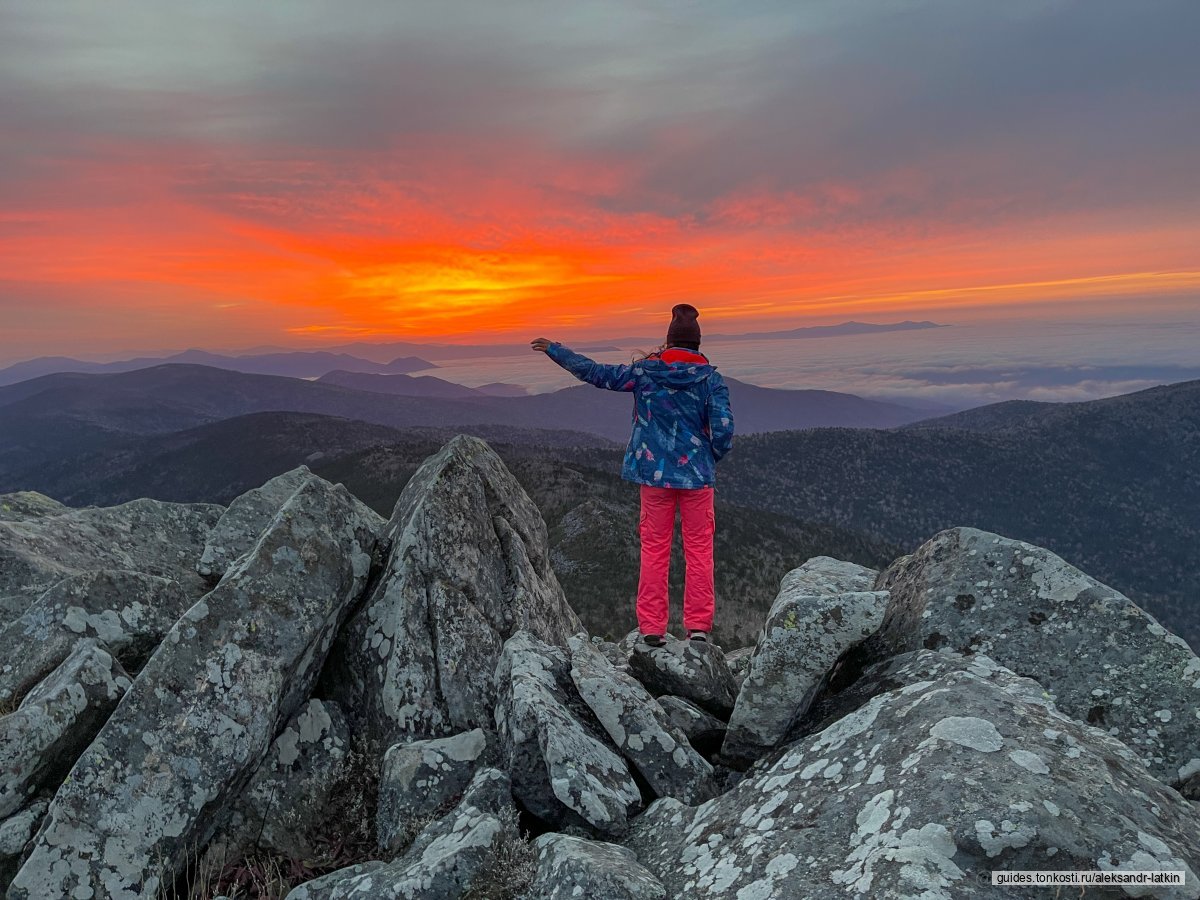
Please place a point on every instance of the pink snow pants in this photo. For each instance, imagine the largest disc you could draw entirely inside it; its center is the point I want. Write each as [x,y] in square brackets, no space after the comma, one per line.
[657,527]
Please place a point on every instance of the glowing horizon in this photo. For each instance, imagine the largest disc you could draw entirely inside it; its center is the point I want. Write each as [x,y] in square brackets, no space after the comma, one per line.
[394,176]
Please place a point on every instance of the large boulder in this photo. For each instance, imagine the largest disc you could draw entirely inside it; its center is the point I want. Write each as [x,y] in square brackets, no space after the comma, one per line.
[446,860]
[570,867]
[248,515]
[1104,660]
[128,612]
[423,778]
[819,615]
[923,791]
[469,566]
[204,710]
[150,536]
[694,670]
[286,804]
[41,739]
[639,727]
[563,769]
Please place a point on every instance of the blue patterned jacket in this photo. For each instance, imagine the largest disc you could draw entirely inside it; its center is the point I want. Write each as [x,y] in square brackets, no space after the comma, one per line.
[682,423]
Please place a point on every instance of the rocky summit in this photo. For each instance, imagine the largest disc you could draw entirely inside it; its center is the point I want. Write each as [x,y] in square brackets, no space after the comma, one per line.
[293,697]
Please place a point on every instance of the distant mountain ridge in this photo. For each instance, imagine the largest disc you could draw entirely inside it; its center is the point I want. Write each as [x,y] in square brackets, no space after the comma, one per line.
[71,413]
[294,364]
[418,385]
[400,357]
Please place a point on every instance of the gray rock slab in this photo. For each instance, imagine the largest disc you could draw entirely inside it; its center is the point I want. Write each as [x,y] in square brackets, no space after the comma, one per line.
[127,612]
[248,516]
[1104,660]
[693,670]
[805,635]
[923,791]
[639,727]
[421,778]
[150,536]
[563,768]
[570,867]
[469,566]
[40,740]
[203,712]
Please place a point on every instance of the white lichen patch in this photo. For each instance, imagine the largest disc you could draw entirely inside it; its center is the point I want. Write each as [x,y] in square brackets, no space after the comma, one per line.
[1030,761]
[969,731]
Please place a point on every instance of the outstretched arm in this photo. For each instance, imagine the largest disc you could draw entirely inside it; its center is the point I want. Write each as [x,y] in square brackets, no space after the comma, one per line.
[720,417]
[611,378]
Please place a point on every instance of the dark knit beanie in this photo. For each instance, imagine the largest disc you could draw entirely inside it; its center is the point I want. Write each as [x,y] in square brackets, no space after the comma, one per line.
[685,325]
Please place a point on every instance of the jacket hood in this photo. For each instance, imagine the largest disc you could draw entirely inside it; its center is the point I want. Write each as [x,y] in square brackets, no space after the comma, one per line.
[677,375]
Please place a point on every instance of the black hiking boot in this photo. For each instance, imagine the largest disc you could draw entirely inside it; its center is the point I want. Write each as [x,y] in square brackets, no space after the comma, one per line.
[654,640]
[701,636]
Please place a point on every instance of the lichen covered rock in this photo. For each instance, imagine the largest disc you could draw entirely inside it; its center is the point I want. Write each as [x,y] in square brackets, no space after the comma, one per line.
[563,769]
[15,833]
[468,567]
[1103,660]
[813,622]
[703,730]
[570,867]
[150,536]
[694,670]
[923,791]
[248,515]
[127,612]
[41,739]
[639,727]
[422,777]
[204,710]
[288,799]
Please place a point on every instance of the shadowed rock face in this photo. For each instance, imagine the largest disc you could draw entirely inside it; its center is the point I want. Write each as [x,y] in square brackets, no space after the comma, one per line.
[205,708]
[128,612]
[1103,660]
[287,801]
[444,861]
[469,566]
[148,536]
[703,730]
[15,833]
[921,792]
[823,610]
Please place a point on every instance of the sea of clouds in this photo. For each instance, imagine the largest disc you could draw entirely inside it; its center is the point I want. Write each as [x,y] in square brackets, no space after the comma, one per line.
[958,366]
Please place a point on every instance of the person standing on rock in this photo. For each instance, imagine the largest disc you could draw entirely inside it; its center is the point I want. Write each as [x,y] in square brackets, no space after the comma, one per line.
[682,426]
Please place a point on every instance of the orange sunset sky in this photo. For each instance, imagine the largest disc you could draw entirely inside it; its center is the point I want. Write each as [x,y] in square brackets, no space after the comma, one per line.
[229,174]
